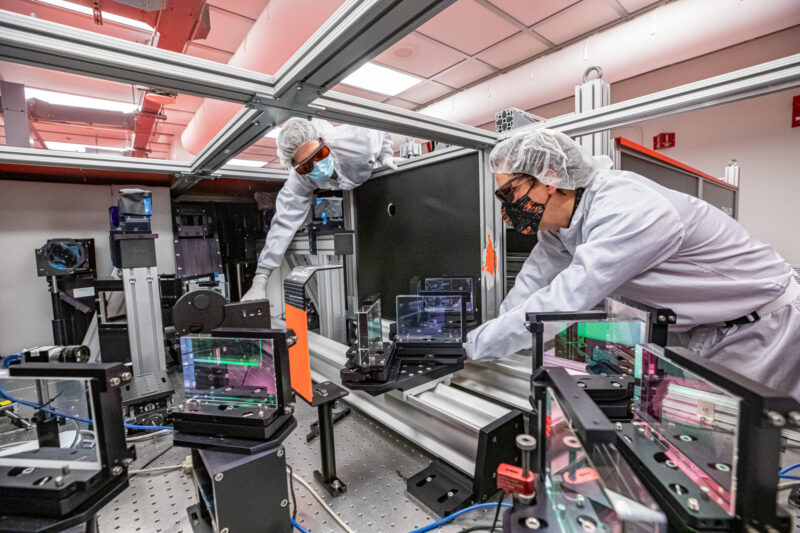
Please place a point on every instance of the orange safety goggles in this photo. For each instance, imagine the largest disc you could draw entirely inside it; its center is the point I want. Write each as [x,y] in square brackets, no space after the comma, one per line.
[307,165]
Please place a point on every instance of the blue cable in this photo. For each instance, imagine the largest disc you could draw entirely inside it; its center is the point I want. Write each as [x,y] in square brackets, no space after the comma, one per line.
[455,515]
[783,473]
[297,526]
[57,413]
[7,360]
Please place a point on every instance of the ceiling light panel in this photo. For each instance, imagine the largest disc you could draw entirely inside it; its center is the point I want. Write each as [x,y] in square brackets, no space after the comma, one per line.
[376,78]
[74,100]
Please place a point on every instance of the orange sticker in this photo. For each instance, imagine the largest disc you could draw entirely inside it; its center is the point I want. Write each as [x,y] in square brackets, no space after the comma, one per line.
[299,358]
[490,264]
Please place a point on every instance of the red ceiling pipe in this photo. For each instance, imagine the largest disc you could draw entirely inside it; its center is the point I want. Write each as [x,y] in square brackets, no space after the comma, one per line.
[279,32]
[177,24]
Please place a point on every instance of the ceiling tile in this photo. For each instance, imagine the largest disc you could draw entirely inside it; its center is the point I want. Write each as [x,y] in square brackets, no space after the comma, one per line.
[577,20]
[468,26]
[635,5]
[250,9]
[424,92]
[355,91]
[512,50]
[464,73]
[227,30]
[419,55]
[205,52]
[530,12]
[399,102]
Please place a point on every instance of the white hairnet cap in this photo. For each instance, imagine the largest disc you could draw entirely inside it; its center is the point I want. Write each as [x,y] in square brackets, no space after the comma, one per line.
[296,132]
[537,152]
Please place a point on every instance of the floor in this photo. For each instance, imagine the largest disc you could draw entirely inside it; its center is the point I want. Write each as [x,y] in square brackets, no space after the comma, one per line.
[372,461]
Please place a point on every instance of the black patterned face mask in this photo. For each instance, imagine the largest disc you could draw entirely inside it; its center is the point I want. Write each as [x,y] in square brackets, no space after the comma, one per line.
[524,215]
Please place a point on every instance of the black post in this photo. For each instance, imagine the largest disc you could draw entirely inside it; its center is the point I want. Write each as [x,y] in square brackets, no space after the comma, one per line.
[327,451]
[59,324]
[325,396]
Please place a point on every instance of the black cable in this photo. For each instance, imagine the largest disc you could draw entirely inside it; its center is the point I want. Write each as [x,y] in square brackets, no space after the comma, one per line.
[484,527]
[291,489]
[497,511]
[153,460]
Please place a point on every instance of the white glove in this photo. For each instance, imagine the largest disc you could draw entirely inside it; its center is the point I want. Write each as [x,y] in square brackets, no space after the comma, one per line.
[258,291]
[391,162]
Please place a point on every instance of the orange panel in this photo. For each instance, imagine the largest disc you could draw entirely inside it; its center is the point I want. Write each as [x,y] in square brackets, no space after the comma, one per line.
[299,358]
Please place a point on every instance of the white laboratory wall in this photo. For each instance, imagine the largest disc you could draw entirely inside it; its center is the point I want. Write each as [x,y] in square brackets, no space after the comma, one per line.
[758,134]
[755,132]
[31,213]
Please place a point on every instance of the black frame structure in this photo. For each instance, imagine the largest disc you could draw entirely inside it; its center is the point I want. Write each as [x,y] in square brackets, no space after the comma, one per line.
[49,507]
[762,414]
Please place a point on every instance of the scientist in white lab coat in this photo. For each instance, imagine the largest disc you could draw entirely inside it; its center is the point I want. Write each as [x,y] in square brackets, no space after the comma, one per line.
[318,156]
[604,232]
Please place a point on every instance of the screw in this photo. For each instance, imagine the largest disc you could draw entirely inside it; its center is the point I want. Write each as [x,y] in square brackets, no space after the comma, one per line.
[59,481]
[693,504]
[619,426]
[615,384]
[117,470]
[581,384]
[450,493]
[218,477]
[284,503]
[776,419]
[532,523]
[223,530]
[580,501]
[794,418]
[126,376]
[65,470]
[127,461]
[662,318]
[280,453]
[115,381]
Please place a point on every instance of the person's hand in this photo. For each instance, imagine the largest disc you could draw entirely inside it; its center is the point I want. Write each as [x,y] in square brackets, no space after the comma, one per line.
[391,162]
[258,290]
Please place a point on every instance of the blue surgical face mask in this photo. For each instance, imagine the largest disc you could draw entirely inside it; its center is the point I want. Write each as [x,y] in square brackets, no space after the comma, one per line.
[322,169]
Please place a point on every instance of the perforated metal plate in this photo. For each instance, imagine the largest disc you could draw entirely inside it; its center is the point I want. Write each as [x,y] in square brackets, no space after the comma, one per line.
[372,461]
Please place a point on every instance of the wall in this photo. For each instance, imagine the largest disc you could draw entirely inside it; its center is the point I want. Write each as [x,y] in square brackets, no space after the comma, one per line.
[755,132]
[758,134]
[32,212]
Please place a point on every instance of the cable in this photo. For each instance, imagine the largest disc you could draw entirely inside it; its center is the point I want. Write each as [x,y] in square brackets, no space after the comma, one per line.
[7,360]
[497,511]
[484,527]
[291,489]
[155,469]
[450,518]
[58,413]
[148,436]
[322,502]
[788,486]
[298,527]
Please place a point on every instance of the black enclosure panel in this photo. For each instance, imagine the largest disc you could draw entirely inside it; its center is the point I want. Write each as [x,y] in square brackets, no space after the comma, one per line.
[423,222]
[663,175]
[721,197]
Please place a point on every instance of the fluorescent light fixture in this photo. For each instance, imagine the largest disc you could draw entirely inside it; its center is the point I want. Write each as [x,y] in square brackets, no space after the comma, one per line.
[74,100]
[273,133]
[133,23]
[245,163]
[380,79]
[72,147]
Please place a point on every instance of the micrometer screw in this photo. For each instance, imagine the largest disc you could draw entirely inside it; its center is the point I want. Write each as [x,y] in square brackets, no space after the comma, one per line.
[526,444]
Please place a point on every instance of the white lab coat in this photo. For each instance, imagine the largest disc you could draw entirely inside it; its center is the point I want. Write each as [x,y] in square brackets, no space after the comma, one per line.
[633,237]
[356,151]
